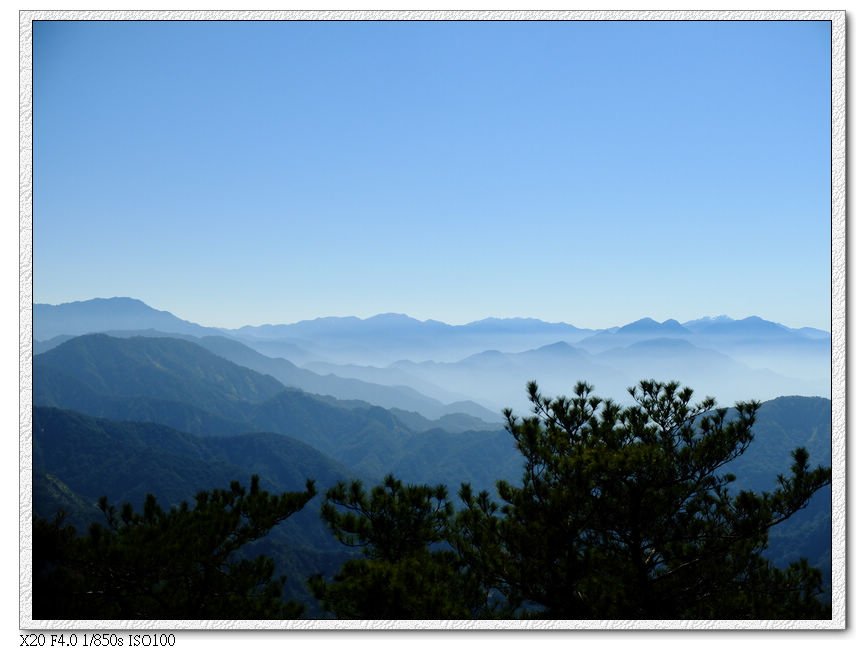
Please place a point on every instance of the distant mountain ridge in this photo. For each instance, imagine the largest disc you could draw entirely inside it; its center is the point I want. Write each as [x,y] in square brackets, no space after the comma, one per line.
[101,314]
[173,413]
[396,361]
[650,325]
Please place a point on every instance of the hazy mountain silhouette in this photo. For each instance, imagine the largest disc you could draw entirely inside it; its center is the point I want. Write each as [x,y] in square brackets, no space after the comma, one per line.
[401,397]
[420,366]
[178,382]
[199,408]
[101,314]
[324,383]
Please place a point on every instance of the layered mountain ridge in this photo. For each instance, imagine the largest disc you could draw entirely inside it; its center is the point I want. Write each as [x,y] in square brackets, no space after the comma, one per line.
[430,367]
[131,408]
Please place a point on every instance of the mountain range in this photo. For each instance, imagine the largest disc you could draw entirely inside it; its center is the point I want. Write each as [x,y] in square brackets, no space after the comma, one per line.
[180,384]
[129,400]
[436,369]
[106,422]
[124,417]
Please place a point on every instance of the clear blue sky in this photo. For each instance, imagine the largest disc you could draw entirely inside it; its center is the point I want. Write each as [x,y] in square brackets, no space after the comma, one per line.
[595,173]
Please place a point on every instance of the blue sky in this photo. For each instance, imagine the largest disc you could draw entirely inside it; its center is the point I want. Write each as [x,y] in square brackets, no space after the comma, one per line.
[595,173]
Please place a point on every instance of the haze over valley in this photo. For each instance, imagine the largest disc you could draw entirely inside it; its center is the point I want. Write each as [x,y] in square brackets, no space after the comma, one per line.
[479,368]
[156,404]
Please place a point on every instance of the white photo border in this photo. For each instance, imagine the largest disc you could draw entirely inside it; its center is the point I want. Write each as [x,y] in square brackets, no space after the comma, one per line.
[838,321]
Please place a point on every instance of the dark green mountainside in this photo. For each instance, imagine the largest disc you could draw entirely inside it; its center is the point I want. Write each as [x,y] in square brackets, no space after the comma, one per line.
[388,396]
[167,369]
[782,425]
[182,419]
[179,384]
[78,459]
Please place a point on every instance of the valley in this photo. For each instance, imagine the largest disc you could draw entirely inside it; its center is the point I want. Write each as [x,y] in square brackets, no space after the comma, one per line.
[130,401]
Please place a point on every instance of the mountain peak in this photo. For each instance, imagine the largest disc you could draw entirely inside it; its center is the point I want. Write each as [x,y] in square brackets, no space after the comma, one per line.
[708,320]
[756,319]
[105,314]
[651,325]
[557,350]
[391,317]
[745,327]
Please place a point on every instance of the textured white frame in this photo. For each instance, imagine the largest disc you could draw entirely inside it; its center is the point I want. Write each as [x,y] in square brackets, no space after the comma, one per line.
[839,318]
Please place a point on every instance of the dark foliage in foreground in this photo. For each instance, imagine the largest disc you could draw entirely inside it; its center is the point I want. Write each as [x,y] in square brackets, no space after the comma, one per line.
[157,564]
[407,571]
[623,513]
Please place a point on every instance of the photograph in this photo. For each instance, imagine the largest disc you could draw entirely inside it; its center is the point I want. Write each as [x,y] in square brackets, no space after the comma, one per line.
[407,320]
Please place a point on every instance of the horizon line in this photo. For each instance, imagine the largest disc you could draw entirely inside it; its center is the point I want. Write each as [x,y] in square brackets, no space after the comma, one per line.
[432,320]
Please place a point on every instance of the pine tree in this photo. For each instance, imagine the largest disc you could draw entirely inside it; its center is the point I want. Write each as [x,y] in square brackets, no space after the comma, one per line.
[407,570]
[628,513]
[181,563]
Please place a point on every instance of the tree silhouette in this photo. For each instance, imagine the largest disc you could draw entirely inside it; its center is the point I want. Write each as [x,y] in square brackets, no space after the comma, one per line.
[407,571]
[627,513]
[183,563]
